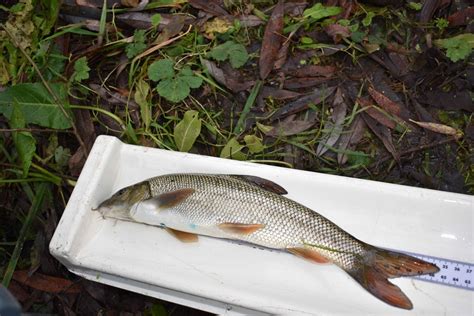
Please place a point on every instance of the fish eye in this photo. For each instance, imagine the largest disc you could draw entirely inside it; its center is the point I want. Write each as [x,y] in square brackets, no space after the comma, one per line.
[121,191]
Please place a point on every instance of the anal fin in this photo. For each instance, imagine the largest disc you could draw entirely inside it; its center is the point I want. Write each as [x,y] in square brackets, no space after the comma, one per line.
[237,228]
[308,254]
[182,236]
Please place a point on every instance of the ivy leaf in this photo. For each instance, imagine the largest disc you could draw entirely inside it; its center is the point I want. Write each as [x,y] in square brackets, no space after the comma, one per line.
[81,69]
[233,150]
[318,11]
[187,131]
[234,52]
[36,104]
[161,69]
[137,46]
[254,144]
[24,142]
[173,90]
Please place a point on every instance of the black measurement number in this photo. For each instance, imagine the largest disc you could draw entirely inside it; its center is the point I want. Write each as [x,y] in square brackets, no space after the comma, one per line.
[455,279]
[445,266]
[469,271]
[457,269]
[443,277]
[467,281]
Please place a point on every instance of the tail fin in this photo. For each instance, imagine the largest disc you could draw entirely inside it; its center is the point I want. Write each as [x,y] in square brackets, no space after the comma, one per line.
[386,264]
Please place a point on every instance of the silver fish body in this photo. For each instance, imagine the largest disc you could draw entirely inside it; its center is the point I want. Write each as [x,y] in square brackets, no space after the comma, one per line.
[254,210]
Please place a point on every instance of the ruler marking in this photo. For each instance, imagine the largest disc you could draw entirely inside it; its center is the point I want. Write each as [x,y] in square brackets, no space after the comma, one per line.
[452,273]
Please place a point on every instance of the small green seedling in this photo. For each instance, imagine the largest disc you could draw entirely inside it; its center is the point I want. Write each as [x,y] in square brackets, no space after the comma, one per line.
[234,52]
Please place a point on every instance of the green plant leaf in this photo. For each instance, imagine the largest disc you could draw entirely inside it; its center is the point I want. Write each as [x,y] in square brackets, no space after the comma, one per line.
[36,104]
[458,47]
[233,150]
[368,19]
[187,131]
[254,144]
[161,69]
[318,11]
[415,5]
[137,46]
[234,52]
[81,69]
[174,90]
[155,19]
[24,142]
[140,96]
[192,81]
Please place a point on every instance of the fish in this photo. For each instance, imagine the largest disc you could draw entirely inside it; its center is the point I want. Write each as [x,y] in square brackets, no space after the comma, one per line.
[255,210]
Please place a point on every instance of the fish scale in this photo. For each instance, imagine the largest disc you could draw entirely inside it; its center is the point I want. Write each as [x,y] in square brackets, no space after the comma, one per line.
[288,224]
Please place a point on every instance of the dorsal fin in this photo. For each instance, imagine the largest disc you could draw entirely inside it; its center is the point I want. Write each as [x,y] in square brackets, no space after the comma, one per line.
[262,183]
[170,199]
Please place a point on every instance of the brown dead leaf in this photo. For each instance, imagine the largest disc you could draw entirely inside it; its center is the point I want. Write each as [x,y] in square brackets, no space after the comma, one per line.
[349,140]
[319,95]
[278,94]
[304,82]
[46,283]
[289,126]
[337,32]
[209,6]
[333,126]
[384,102]
[18,292]
[463,17]
[313,71]
[249,20]
[231,81]
[438,128]
[130,3]
[383,133]
[376,113]
[272,41]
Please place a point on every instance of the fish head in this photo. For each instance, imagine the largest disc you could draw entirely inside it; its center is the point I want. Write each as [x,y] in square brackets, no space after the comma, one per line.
[121,202]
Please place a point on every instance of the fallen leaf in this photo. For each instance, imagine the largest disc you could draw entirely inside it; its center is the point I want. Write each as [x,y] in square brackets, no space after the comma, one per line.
[462,17]
[376,113]
[289,126]
[304,82]
[249,20]
[254,144]
[333,126]
[451,101]
[209,6]
[46,283]
[318,96]
[231,81]
[217,25]
[313,71]
[439,128]
[385,103]
[350,139]
[383,133]
[278,94]
[272,41]
[337,32]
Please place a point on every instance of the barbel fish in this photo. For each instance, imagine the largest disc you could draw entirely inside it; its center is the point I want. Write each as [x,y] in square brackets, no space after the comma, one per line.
[254,210]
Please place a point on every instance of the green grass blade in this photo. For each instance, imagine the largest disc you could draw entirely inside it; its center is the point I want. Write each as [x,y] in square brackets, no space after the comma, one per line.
[248,105]
[33,212]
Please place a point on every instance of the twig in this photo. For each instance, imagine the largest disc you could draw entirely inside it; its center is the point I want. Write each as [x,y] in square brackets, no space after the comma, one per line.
[50,91]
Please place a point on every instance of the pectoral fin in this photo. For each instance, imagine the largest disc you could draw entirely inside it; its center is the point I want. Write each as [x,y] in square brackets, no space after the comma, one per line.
[244,229]
[170,199]
[183,236]
[262,183]
[308,254]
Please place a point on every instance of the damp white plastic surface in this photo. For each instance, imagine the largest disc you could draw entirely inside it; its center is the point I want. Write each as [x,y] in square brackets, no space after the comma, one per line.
[229,278]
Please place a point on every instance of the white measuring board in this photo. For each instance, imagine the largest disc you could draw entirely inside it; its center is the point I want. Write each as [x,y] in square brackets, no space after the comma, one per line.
[226,278]
[452,273]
